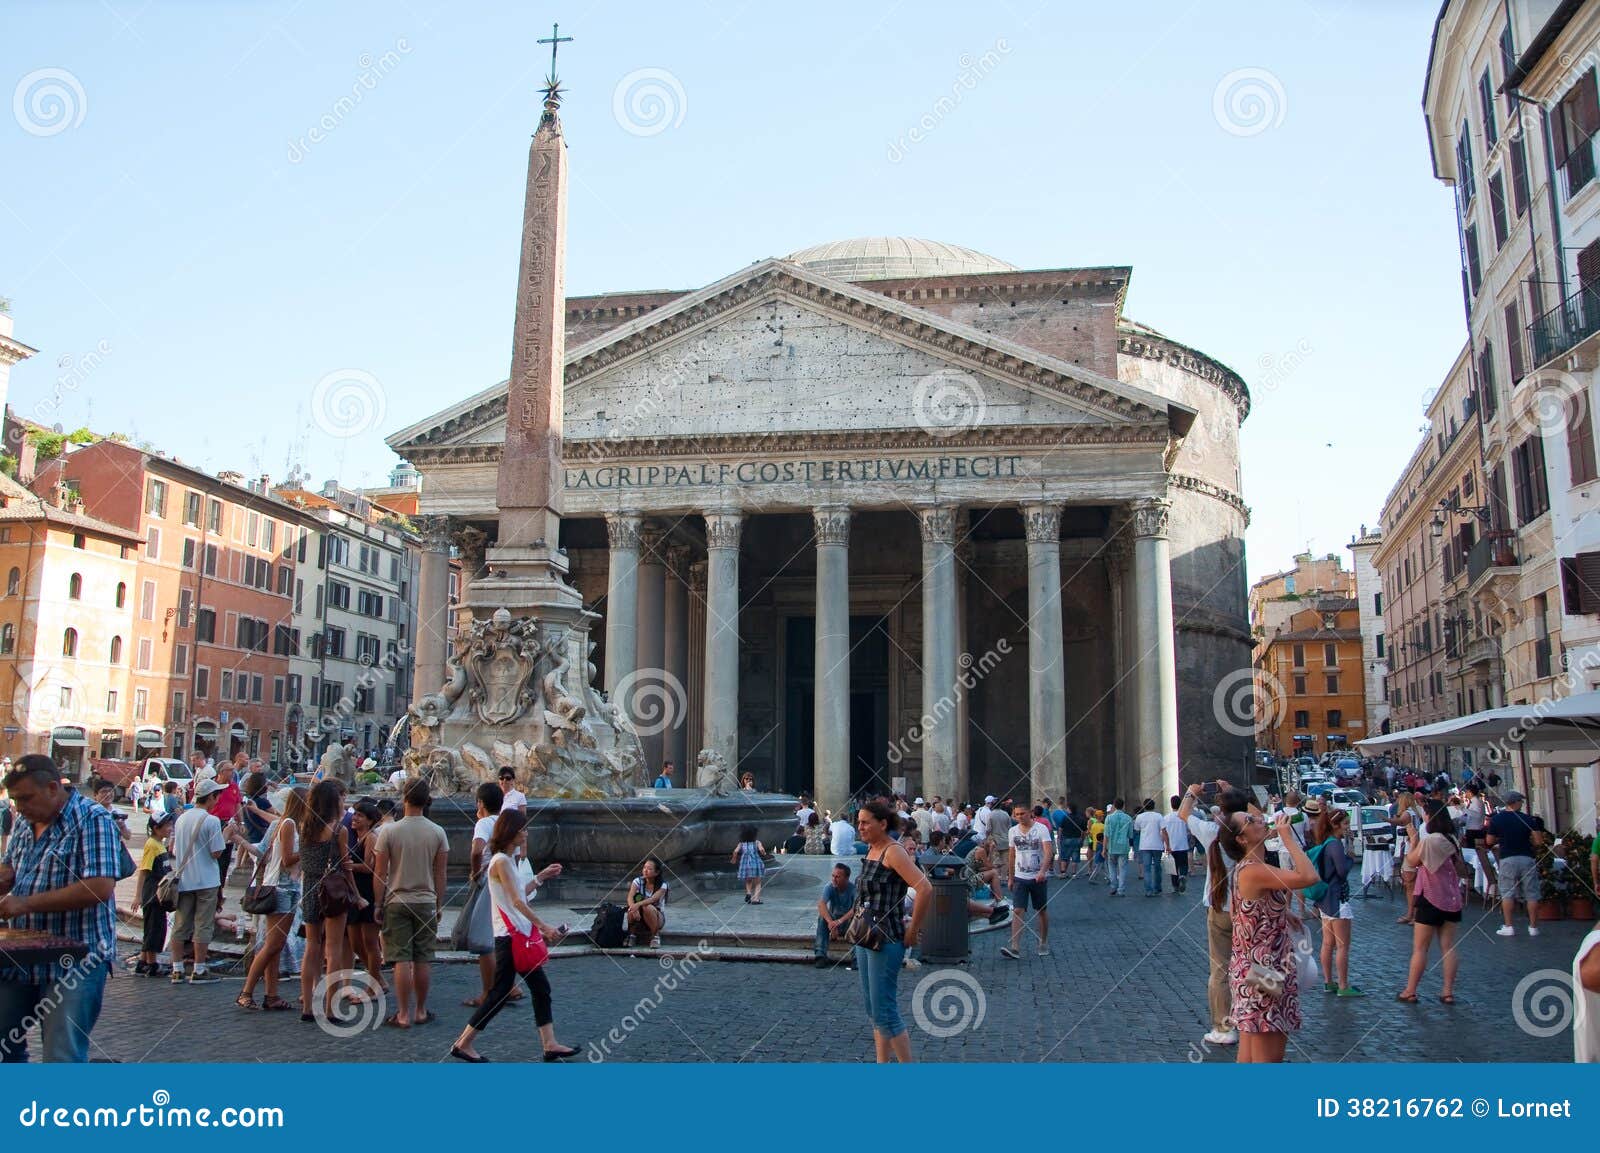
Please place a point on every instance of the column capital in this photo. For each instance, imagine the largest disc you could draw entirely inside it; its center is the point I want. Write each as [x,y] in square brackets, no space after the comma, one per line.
[832,524]
[1150,516]
[650,541]
[677,556]
[622,529]
[697,579]
[435,532]
[1042,523]
[722,527]
[938,524]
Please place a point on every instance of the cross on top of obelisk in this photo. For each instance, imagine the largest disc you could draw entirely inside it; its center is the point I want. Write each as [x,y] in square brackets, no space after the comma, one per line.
[552,88]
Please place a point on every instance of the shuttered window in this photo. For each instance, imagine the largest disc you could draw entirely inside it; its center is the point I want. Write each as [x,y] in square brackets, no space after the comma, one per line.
[1474,268]
[1514,343]
[1580,440]
[1519,175]
[1497,208]
[1580,583]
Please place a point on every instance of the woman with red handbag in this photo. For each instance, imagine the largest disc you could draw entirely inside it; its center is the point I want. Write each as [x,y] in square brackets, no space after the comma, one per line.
[520,945]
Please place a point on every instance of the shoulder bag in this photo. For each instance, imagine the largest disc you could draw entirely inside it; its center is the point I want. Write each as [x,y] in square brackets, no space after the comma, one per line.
[260,899]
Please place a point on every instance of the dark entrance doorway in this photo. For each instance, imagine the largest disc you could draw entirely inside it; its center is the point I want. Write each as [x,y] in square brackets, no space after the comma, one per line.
[869,703]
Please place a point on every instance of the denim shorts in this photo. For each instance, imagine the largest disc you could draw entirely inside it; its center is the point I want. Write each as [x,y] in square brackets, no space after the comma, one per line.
[288,898]
[1023,889]
[1519,879]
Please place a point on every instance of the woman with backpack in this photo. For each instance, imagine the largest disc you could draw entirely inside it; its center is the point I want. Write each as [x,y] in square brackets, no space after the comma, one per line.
[1433,856]
[1331,895]
[512,917]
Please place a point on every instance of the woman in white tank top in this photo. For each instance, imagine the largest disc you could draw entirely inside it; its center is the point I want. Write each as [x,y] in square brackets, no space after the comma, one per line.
[281,869]
[510,910]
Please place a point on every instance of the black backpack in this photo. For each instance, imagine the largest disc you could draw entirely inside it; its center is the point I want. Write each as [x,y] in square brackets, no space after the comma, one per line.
[608,931]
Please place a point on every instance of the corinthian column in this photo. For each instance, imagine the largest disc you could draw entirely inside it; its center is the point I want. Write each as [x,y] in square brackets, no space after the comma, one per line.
[622,595]
[675,617]
[1156,695]
[433,605]
[831,738]
[939,640]
[1047,699]
[721,731]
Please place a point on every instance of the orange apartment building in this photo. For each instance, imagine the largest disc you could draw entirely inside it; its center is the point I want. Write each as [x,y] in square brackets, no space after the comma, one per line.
[213,627]
[66,620]
[1310,679]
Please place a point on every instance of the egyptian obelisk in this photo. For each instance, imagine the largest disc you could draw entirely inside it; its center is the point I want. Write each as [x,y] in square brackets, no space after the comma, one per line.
[526,568]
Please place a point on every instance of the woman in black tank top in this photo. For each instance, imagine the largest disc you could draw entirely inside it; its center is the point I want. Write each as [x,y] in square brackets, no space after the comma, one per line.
[887,874]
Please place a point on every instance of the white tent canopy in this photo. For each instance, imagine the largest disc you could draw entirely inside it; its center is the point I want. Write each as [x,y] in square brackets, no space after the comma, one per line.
[1568,723]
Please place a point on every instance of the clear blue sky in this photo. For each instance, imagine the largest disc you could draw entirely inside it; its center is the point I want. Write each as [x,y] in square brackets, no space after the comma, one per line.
[229,263]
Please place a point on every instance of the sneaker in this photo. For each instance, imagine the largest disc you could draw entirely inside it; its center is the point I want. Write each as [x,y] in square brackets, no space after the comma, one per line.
[996,916]
[1044,950]
[1505,931]
[1008,952]
[912,963]
[1532,932]
[1222,1037]
[203,977]
[177,974]
[822,963]
[1352,991]
[1330,987]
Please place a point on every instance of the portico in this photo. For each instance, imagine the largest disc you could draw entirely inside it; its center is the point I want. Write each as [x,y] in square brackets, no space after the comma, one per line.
[851,540]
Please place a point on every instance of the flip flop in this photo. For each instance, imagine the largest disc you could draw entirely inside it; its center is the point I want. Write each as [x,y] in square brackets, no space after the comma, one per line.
[427,1018]
[1447,998]
[393,1022]
[1404,1000]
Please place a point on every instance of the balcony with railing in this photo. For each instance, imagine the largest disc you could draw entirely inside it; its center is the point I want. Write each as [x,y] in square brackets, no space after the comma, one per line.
[1497,550]
[1482,650]
[1565,326]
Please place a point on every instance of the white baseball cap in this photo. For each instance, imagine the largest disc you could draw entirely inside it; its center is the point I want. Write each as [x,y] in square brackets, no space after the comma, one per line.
[920,801]
[989,800]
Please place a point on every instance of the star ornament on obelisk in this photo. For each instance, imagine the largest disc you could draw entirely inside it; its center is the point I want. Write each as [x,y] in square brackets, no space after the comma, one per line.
[530,479]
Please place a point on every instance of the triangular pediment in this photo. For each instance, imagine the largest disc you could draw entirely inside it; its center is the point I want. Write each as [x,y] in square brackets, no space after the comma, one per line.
[777,349]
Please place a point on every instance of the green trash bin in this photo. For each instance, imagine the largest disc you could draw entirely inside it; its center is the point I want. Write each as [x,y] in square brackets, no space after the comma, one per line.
[944,928]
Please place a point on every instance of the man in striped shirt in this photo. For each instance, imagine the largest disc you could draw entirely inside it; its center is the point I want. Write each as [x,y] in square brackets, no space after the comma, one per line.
[59,877]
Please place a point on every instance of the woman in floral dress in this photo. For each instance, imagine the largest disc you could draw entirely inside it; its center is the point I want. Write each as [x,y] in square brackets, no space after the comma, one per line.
[1261,932]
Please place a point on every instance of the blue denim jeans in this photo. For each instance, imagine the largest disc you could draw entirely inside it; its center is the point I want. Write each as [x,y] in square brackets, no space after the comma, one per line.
[1152,869]
[880,986]
[1117,871]
[65,1010]
[822,938]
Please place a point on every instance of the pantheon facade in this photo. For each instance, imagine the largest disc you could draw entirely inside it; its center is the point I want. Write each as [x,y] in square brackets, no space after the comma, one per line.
[889,508]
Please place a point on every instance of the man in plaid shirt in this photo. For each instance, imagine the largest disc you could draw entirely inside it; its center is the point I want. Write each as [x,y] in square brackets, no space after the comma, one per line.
[59,877]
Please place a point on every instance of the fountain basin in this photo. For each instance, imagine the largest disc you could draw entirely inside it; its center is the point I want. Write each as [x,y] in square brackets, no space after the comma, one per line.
[673,824]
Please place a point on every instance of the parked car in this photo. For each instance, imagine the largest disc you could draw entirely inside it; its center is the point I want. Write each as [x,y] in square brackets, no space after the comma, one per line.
[1318,788]
[1348,798]
[1371,830]
[159,770]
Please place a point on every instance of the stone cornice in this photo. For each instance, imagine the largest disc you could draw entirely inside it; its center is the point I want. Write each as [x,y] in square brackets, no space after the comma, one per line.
[1215,491]
[1141,342]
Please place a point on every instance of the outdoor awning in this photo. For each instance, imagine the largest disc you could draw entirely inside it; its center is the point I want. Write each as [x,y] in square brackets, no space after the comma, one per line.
[205,730]
[69,736]
[239,729]
[1571,723]
[148,738]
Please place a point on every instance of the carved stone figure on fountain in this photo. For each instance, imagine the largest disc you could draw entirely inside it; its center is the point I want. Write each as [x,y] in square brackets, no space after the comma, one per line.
[714,774]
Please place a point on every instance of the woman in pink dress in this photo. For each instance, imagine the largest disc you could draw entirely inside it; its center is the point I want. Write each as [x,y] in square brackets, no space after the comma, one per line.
[1265,1013]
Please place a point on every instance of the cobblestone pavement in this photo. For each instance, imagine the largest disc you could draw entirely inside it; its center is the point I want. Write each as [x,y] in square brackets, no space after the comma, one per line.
[1125,982]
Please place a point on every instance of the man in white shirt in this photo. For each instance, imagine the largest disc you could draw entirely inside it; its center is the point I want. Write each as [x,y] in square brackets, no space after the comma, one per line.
[941,816]
[512,797]
[842,834]
[1176,832]
[923,816]
[197,845]
[962,820]
[1029,852]
[802,814]
[982,818]
[1152,843]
